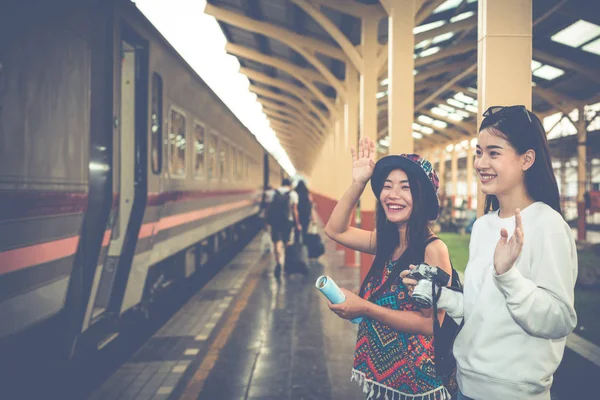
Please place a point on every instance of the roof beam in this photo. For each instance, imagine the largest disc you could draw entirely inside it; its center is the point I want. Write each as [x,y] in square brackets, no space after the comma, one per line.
[353,8]
[291,101]
[283,36]
[458,26]
[559,101]
[273,31]
[306,96]
[279,112]
[294,70]
[333,31]
[445,53]
[446,86]
[426,11]
[593,74]
[294,106]
[291,69]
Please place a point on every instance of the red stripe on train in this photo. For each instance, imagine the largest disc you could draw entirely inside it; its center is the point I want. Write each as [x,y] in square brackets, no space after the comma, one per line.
[25,257]
[29,256]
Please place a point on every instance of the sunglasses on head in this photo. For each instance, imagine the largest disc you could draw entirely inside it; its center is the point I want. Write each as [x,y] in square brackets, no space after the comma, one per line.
[499,111]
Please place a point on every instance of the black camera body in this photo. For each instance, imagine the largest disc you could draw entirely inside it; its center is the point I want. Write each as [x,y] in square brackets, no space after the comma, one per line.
[427,275]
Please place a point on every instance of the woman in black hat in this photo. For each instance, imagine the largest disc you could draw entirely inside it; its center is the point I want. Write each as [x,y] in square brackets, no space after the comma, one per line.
[394,354]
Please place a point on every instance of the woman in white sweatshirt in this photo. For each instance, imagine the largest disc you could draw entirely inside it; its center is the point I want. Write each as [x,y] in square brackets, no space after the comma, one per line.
[518,293]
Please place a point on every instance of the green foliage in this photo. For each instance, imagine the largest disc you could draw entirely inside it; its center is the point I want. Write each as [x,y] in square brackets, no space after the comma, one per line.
[458,247]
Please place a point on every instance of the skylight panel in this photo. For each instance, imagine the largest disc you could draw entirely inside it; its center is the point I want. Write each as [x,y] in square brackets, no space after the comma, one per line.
[447,5]
[426,130]
[455,103]
[447,107]
[472,90]
[416,126]
[439,111]
[381,94]
[593,47]
[442,37]
[462,16]
[415,72]
[463,98]
[385,142]
[428,27]
[455,117]
[429,51]
[471,108]
[384,82]
[422,44]
[425,119]
[577,34]
[535,65]
[463,114]
[439,124]
[417,135]
[548,72]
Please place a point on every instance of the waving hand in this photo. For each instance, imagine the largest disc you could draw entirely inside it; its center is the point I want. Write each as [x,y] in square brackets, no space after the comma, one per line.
[363,162]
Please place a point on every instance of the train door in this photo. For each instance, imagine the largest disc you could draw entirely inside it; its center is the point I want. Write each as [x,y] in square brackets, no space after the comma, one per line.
[129,173]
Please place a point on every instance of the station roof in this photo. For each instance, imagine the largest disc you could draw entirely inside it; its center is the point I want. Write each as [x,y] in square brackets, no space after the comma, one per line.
[293,52]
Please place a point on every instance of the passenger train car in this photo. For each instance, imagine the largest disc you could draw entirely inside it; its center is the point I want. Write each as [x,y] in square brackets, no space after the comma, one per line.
[114,156]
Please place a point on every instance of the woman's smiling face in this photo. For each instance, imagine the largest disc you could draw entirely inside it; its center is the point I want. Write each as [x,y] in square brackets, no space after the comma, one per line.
[396,197]
[497,163]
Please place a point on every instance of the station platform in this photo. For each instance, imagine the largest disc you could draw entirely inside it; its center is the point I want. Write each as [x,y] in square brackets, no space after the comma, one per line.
[248,334]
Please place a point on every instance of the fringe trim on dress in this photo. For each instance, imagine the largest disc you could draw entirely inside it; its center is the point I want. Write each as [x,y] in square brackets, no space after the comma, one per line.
[375,390]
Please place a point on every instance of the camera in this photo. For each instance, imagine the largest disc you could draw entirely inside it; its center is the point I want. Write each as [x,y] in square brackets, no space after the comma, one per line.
[426,275]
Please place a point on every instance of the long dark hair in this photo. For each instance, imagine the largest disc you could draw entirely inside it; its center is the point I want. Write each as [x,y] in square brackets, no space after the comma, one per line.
[302,191]
[524,135]
[388,236]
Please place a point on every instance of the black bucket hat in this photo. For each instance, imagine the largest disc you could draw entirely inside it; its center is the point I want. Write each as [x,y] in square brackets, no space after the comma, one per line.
[416,167]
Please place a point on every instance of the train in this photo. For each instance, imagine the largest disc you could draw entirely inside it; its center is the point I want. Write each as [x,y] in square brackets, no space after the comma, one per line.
[115,156]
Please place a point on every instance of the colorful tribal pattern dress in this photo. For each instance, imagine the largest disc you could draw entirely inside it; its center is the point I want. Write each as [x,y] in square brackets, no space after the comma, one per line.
[390,364]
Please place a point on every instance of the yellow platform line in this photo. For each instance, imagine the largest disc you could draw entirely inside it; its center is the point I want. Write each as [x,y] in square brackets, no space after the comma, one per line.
[194,387]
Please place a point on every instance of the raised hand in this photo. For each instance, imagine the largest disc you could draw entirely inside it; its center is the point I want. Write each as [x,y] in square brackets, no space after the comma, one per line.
[363,161]
[507,251]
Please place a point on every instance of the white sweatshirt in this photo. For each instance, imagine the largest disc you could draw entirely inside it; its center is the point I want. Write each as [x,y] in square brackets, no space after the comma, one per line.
[516,323]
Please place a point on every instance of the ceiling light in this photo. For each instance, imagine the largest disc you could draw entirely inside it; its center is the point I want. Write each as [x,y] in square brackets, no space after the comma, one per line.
[428,27]
[455,103]
[535,65]
[455,117]
[593,47]
[422,44]
[471,108]
[439,124]
[385,142]
[442,37]
[548,72]
[416,126]
[447,5]
[384,82]
[447,107]
[462,16]
[381,94]
[425,119]
[426,130]
[472,90]
[439,111]
[577,34]
[450,147]
[417,135]
[463,114]
[464,98]
[429,51]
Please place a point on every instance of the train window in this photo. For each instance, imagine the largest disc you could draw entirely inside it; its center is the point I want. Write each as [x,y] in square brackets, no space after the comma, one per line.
[212,156]
[156,124]
[177,144]
[199,149]
[234,163]
[223,158]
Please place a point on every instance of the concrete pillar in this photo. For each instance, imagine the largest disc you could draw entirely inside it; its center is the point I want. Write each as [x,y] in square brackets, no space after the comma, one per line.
[504,52]
[581,173]
[401,82]
[470,175]
[454,176]
[368,91]
[369,83]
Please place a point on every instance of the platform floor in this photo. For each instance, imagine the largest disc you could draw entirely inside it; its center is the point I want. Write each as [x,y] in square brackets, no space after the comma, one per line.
[248,335]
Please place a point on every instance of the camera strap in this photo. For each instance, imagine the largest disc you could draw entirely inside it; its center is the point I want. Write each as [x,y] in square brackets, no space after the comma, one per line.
[400,265]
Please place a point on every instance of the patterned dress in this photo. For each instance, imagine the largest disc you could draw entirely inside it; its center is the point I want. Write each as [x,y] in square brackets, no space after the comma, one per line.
[390,364]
